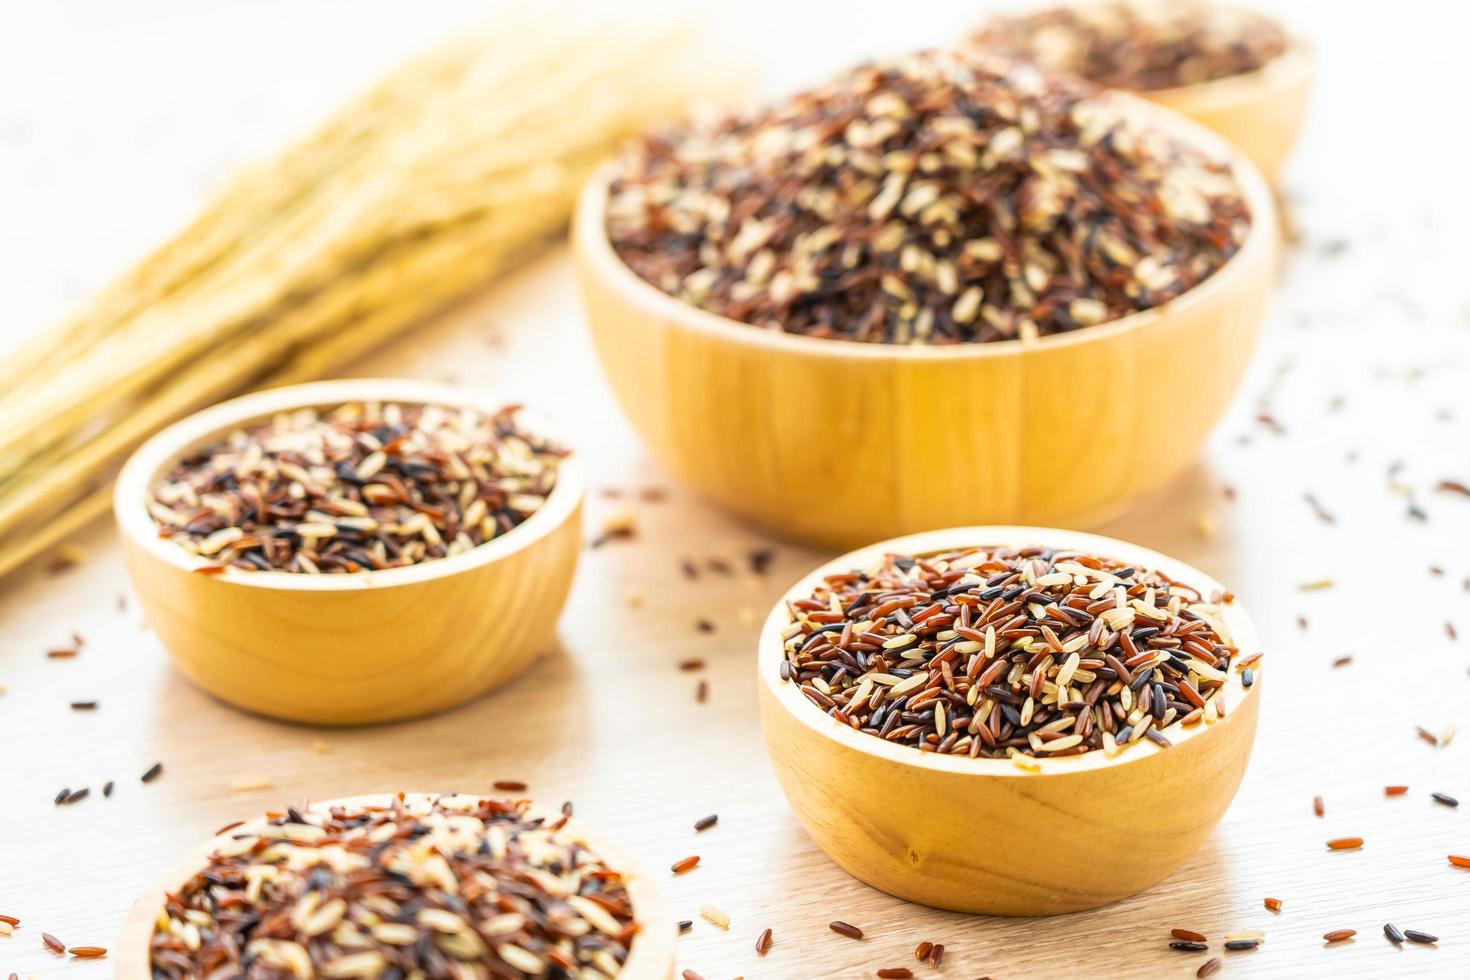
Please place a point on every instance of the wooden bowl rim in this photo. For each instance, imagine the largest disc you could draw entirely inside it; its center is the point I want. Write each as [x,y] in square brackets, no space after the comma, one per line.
[788,696]
[170,443]
[653,945]
[591,242]
[1284,71]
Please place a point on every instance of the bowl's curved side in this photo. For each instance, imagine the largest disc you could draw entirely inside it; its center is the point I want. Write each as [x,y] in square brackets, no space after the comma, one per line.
[651,956]
[360,656]
[1036,845]
[837,446]
[1261,112]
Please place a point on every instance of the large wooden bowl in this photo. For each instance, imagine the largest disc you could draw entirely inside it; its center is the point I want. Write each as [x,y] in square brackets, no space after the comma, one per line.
[650,957]
[356,648]
[983,835]
[838,442]
[1261,112]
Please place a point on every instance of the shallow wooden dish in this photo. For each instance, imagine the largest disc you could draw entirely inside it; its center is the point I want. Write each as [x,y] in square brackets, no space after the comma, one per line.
[356,648]
[650,957]
[1261,112]
[983,835]
[839,442]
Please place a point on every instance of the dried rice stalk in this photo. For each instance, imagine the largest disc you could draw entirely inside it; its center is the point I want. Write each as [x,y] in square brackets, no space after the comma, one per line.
[446,173]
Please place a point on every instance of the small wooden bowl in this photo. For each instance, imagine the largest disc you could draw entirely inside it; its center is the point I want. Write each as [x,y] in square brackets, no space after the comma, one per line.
[1261,112]
[354,648]
[839,442]
[650,957]
[983,835]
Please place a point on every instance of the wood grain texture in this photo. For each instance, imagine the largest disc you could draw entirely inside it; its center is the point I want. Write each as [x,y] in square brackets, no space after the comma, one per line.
[349,649]
[981,835]
[1261,113]
[842,443]
[650,957]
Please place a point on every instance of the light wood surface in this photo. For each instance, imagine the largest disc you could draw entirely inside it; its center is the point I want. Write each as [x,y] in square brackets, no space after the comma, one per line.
[982,835]
[1362,366]
[1262,112]
[361,648]
[843,443]
[609,720]
[650,956]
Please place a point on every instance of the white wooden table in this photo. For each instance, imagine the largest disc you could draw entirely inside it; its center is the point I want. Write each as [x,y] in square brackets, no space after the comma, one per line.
[1364,370]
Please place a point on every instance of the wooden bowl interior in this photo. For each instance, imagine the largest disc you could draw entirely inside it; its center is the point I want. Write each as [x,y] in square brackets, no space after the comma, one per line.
[161,452]
[590,239]
[772,650]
